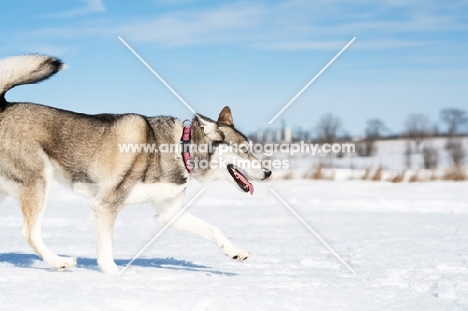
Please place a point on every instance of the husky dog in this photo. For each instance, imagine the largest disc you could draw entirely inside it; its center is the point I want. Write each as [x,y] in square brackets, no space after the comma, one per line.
[40,143]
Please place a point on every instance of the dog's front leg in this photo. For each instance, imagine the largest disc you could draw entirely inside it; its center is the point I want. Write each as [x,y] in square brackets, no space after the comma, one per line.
[104,220]
[191,224]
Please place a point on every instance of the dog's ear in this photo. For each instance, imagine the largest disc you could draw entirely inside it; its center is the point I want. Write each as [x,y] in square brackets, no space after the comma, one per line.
[225,116]
[210,128]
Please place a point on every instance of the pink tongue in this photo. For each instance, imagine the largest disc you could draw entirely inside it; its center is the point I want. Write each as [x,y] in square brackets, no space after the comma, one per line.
[251,188]
[245,181]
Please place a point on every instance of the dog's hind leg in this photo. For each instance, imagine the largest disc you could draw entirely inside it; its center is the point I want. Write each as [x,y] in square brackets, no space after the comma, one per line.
[189,223]
[32,200]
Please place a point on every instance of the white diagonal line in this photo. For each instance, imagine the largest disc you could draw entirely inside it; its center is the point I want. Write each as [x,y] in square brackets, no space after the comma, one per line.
[156,74]
[313,231]
[310,82]
[161,231]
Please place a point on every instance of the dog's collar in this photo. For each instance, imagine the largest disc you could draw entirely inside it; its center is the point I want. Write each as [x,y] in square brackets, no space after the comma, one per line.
[185,142]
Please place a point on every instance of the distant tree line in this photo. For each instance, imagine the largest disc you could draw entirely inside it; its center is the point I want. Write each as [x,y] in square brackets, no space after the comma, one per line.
[418,128]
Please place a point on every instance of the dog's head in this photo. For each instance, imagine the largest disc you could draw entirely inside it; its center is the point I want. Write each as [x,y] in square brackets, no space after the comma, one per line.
[229,157]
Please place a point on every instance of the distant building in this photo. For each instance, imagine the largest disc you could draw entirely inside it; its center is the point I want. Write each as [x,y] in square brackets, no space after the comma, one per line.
[282,134]
[287,134]
[259,135]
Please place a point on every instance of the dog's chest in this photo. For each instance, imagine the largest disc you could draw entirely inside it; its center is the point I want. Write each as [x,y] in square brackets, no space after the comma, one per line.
[143,192]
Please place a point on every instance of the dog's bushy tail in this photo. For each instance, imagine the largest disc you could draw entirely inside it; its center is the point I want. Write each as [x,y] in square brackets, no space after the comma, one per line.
[25,69]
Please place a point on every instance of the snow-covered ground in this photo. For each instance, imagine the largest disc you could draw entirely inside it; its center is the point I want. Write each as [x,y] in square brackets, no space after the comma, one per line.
[407,242]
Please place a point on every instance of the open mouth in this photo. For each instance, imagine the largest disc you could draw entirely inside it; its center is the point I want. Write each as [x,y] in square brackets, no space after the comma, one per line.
[240,179]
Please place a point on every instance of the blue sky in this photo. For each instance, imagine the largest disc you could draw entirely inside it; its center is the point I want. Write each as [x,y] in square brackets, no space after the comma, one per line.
[409,57]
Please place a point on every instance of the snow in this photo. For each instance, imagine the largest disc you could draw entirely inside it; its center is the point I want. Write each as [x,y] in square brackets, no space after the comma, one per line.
[407,242]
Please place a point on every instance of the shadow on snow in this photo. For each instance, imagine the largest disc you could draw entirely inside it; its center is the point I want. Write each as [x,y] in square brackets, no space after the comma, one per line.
[29,260]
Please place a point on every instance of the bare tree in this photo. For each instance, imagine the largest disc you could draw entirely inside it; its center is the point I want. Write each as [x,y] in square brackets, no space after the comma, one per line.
[374,130]
[418,127]
[456,151]
[430,157]
[328,128]
[408,154]
[455,119]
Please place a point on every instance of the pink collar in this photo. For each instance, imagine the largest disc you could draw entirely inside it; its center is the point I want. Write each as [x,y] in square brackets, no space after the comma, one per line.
[185,142]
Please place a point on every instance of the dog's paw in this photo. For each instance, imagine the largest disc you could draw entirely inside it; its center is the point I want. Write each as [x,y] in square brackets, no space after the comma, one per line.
[61,263]
[240,255]
[110,268]
[234,253]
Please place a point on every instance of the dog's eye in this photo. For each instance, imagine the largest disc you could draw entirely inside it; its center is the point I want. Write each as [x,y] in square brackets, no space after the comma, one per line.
[244,149]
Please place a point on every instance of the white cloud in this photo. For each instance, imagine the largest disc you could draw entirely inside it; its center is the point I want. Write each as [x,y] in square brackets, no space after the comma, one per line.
[90,6]
[389,44]
[337,45]
[222,24]
[292,25]
[297,25]
[301,45]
